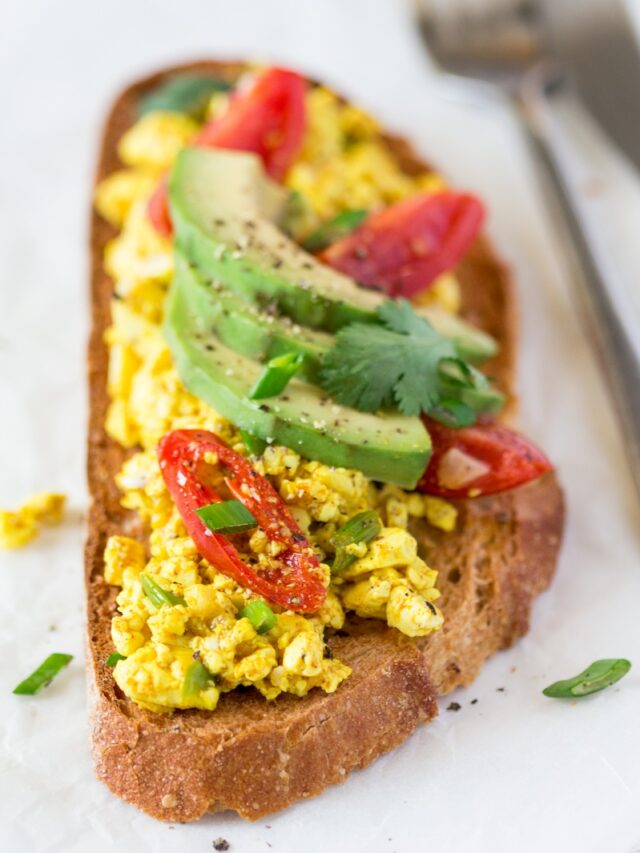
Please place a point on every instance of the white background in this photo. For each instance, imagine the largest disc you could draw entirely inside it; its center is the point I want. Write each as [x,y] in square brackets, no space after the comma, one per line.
[515,771]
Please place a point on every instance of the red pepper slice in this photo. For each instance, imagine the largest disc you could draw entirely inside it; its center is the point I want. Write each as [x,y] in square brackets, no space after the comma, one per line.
[479,460]
[268,118]
[296,582]
[405,247]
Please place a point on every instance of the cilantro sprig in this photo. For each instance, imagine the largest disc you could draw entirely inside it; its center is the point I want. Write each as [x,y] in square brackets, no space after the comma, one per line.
[405,364]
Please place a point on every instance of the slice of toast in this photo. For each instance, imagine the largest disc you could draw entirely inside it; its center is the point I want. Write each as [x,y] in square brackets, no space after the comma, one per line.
[254,756]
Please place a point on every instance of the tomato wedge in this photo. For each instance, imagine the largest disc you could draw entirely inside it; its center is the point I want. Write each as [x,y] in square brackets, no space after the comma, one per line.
[296,582]
[405,247]
[479,460]
[268,118]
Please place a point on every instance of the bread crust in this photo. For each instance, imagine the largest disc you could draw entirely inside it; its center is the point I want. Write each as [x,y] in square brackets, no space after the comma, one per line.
[257,757]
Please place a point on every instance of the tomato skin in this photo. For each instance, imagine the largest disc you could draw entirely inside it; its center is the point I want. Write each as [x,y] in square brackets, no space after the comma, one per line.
[405,247]
[158,210]
[297,581]
[268,119]
[512,459]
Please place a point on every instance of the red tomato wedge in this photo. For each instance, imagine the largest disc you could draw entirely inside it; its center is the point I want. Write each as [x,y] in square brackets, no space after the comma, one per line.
[268,118]
[405,247]
[479,460]
[296,582]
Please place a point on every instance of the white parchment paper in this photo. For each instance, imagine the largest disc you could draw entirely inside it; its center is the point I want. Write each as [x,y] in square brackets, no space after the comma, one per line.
[514,771]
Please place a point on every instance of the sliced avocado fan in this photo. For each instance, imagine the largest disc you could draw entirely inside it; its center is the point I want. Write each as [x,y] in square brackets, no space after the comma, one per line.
[225,212]
[387,447]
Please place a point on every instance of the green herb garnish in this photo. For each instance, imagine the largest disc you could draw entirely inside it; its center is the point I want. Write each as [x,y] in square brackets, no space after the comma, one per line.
[260,615]
[255,446]
[601,674]
[405,364]
[333,230]
[197,678]
[184,93]
[227,517]
[276,375]
[43,675]
[158,595]
[363,527]
[113,658]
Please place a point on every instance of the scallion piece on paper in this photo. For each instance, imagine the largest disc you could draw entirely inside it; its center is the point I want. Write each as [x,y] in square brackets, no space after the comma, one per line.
[254,445]
[363,527]
[227,517]
[196,679]
[158,595]
[333,230]
[43,675]
[276,375]
[113,659]
[602,673]
[260,615]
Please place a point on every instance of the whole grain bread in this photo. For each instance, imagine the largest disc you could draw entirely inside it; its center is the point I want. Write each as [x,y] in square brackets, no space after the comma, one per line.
[257,757]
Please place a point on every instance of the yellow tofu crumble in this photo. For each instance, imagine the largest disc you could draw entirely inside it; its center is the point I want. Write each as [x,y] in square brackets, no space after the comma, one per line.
[18,527]
[344,163]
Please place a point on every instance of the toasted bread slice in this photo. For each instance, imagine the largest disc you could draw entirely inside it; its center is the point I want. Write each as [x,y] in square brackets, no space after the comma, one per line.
[257,757]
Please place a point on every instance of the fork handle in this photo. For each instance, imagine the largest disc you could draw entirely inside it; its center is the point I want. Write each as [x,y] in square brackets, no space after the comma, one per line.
[618,358]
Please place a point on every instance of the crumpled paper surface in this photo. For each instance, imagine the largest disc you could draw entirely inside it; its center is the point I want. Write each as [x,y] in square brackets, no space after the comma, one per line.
[515,770]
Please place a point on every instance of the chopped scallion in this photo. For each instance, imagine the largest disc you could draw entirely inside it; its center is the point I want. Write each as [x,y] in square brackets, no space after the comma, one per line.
[333,230]
[363,527]
[601,674]
[227,517]
[276,375]
[113,658]
[260,615]
[196,679]
[158,595]
[254,445]
[43,675]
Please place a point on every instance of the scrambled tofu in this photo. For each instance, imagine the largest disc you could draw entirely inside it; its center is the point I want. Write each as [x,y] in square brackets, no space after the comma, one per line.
[20,526]
[344,164]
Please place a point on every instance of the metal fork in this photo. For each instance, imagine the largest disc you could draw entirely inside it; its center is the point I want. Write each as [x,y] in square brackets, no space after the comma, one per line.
[509,47]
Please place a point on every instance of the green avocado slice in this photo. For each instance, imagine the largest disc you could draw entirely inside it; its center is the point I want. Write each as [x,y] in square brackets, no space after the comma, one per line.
[387,447]
[244,328]
[225,209]
[261,336]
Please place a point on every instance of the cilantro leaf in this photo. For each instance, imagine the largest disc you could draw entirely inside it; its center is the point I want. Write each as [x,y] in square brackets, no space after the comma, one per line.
[405,364]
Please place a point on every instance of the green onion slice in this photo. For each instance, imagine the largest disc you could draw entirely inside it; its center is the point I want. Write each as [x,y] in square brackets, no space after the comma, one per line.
[333,230]
[601,674]
[276,375]
[363,527]
[158,595]
[43,675]
[254,445]
[184,93]
[197,678]
[113,658]
[227,517]
[260,615]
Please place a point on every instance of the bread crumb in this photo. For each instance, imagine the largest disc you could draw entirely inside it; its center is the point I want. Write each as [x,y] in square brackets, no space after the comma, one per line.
[454,706]
[169,801]
[221,844]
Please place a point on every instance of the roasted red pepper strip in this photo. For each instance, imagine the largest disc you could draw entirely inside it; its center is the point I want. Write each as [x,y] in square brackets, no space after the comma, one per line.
[296,583]
[405,247]
[479,460]
[268,118]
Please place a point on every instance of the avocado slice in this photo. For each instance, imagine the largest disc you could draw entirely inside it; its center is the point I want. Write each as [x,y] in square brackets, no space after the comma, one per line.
[260,336]
[244,328]
[225,209]
[387,447]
